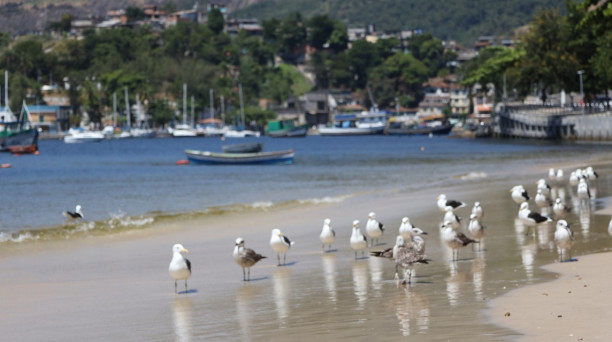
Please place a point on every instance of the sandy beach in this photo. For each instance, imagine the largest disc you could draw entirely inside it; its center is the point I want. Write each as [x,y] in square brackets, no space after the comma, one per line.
[574,307]
[117,287]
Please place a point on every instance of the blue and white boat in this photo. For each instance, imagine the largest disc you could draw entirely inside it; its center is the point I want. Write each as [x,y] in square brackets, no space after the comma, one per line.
[273,157]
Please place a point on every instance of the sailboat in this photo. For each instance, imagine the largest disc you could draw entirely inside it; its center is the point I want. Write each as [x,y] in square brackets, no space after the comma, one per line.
[241,132]
[143,131]
[184,130]
[19,136]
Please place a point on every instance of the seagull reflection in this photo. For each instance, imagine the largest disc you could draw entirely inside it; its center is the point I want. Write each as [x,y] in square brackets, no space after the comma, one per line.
[528,253]
[544,233]
[280,279]
[585,221]
[478,270]
[181,316]
[453,284]
[360,282]
[413,308]
[244,297]
[376,273]
[561,193]
[329,271]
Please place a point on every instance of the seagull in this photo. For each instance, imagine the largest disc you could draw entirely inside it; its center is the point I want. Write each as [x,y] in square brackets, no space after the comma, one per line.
[451,217]
[454,239]
[610,227]
[389,253]
[552,175]
[583,190]
[544,187]
[542,200]
[407,256]
[519,194]
[180,267]
[530,218]
[477,210]
[559,176]
[358,241]
[564,238]
[574,178]
[417,239]
[280,244]
[245,258]
[476,229]
[328,235]
[591,174]
[443,203]
[76,215]
[374,229]
[560,209]
[405,229]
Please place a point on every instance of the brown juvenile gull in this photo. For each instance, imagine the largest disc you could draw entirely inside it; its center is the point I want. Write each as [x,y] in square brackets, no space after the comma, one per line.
[407,256]
[454,239]
[245,258]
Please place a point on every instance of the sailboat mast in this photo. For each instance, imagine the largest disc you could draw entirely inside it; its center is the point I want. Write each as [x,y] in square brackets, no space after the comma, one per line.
[6,101]
[114,110]
[222,104]
[212,106]
[184,103]
[241,104]
[192,113]
[127,109]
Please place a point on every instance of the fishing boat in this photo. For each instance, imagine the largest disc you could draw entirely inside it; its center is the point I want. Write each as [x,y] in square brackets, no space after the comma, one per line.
[366,123]
[19,136]
[411,125]
[243,148]
[286,128]
[207,157]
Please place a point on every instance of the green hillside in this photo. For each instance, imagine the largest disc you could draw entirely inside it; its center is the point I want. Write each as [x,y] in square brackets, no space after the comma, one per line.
[461,20]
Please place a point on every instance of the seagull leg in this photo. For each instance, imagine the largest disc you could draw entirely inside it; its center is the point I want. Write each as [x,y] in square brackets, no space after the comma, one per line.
[355,255]
[175,290]
[243,275]
[185,285]
[249,272]
[278,258]
[285,259]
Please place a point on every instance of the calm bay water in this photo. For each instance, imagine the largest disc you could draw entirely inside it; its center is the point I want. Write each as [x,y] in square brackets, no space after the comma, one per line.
[138,178]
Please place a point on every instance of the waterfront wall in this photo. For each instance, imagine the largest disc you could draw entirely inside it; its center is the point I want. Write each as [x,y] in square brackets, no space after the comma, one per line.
[540,122]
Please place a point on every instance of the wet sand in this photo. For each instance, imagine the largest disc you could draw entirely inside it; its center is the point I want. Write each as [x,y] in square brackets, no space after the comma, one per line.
[117,286]
[575,307]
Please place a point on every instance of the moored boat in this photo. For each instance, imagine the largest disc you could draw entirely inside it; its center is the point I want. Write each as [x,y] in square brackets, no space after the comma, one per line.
[77,136]
[436,125]
[19,136]
[207,157]
[285,128]
[356,124]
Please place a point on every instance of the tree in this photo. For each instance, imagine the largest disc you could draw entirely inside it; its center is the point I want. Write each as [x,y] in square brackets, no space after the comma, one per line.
[134,13]
[161,112]
[63,25]
[215,20]
[320,29]
[338,40]
[292,34]
[363,57]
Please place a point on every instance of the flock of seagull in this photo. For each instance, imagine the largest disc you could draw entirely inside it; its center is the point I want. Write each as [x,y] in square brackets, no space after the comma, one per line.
[409,248]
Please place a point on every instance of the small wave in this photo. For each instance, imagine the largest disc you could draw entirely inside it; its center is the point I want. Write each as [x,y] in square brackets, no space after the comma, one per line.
[471,176]
[17,237]
[323,200]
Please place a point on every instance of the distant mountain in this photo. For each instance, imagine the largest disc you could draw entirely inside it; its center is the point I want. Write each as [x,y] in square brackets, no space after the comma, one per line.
[460,20]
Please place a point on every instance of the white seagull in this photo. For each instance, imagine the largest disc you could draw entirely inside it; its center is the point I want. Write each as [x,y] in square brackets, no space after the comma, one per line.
[542,185]
[358,241]
[559,176]
[583,190]
[560,209]
[530,218]
[76,215]
[542,200]
[564,238]
[454,239]
[280,244]
[405,229]
[591,174]
[552,175]
[610,227]
[476,229]
[451,217]
[574,179]
[180,267]
[519,194]
[443,203]
[328,235]
[374,229]
[245,258]
[477,210]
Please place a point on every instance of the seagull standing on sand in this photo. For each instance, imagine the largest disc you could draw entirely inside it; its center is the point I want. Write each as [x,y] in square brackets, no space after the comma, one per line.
[560,209]
[542,185]
[552,175]
[280,244]
[542,201]
[477,210]
[405,229]
[76,215]
[583,190]
[358,241]
[559,176]
[374,229]
[180,267]
[417,240]
[407,256]
[574,179]
[530,218]
[476,229]
[451,217]
[590,174]
[564,238]
[519,194]
[245,258]
[454,239]
[328,235]
[443,203]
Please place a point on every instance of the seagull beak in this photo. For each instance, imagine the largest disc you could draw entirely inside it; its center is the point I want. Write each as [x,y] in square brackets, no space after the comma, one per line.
[280,234]
[424,233]
[185,250]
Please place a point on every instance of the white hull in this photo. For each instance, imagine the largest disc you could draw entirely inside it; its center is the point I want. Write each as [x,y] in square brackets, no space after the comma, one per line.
[240,134]
[76,137]
[350,130]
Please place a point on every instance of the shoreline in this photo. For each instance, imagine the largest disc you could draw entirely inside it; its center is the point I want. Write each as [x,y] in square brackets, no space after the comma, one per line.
[573,307]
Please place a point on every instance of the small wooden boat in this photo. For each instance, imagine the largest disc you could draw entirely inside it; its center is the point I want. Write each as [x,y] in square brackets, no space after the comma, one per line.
[207,157]
[243,148]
